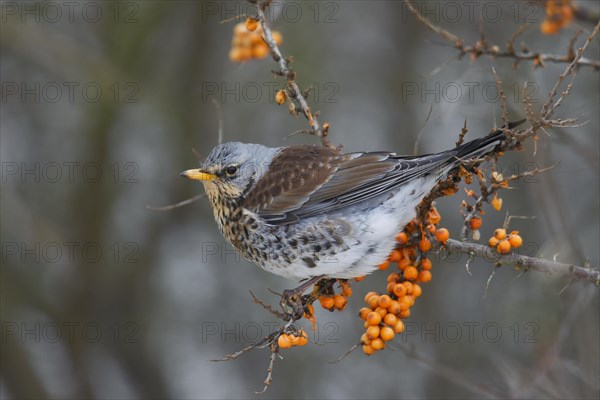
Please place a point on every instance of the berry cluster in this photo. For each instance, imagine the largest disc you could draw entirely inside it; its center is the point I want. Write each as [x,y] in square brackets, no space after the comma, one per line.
[559,14]
[385,312]
[332,301]
[248,43]
[287,340]
[504,242]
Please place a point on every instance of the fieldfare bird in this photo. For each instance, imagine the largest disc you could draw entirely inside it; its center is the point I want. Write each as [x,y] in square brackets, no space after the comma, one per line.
[308,211]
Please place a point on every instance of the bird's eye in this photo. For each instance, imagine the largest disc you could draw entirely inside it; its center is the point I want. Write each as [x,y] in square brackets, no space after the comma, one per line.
[231,170]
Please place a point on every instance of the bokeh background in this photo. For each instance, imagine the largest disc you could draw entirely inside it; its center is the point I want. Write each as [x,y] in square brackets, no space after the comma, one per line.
[102,104]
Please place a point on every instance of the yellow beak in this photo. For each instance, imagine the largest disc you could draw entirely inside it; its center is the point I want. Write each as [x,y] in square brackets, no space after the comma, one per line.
[198,175]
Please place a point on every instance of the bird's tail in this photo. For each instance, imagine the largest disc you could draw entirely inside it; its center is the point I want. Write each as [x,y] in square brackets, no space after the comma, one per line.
[479,147]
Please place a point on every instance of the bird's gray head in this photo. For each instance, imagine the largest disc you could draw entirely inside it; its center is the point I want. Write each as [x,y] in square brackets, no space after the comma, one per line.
[231,169]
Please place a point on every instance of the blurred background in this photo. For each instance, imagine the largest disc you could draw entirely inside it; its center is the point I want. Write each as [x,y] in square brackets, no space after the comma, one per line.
[102,104]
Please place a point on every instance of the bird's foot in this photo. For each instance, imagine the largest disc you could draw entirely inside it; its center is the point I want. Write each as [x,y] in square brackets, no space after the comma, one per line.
[293,301]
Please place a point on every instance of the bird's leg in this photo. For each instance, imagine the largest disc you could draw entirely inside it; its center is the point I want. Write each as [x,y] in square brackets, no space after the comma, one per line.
[292,300]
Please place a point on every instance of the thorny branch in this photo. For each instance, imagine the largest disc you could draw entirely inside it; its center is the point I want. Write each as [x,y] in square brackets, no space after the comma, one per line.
[482,47]
[293,90]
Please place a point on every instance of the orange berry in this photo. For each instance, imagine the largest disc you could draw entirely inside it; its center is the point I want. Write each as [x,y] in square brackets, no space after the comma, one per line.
[425,264]
[369,294]
[346,289]
[372,302]
[503,247]
[390,287]
[384,301]
[235,55]
[395,256]
[442,235]
[394,308]
[515,241]
[240,30]
[408,286]
[277,37]
[384,265]
[377,344]
[403,263]
[373,318]
[402,238]
[393,277]
[364,339]
[417,291]
[359,278]
[404,313]
[431,229]
[368,350]
[386,333]
[399,290]
[500,233]
[404,303]
[424,276]
[381,311]
[411,273]
[364,312]
[493,242]
[475,223]
[549,27]
[303,338]
[284,341]
[425,244]
[399,327]
[372,332]
[261,51]
[339,301]
[251,24]
[390,320]
[326,302]
[497,202]
[280,97]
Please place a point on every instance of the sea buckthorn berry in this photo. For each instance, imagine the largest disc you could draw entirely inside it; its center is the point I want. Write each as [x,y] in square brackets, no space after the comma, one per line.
[395,256]
[549,27]
[442,235]
[368,350]
[394,308]
[261,51]
[475,223]
[377,344]
[403,263]
[424,276]
[399,290]
[303,338]
[497,202]
[326,302]
[364,339]
[277,37]
[373,318]
[416,292]
[284,341]
[280,97]
[394,277]
[431,228]
[339,301]
[399,327]
[240,29]
[390,320]
[372,302]
[500,233]
[433,216]
[404,313]
[408,286]
[373,332]
[425,263]
[425,244]
[493,242]
[411,273]
[503,247]
[404,303]
[384,301]
[346,289]
[402,238]
[369,294]
[386,333]
[359,278]
[515,241]
[390,287]
[364,312]
[381,311]
[251,24]
[384,265]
